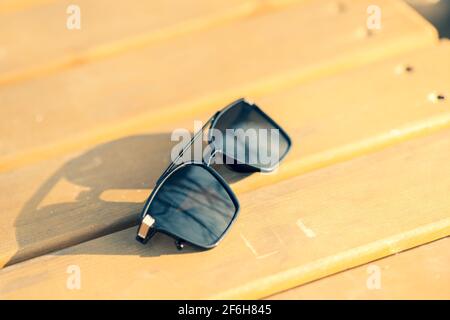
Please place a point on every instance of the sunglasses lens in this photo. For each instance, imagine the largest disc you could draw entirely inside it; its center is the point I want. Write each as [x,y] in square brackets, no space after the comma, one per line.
[248,136]
[193,205]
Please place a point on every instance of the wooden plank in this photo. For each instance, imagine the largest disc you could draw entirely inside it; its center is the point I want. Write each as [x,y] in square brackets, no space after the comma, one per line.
[249,57]
[8,6]
[107,28]
[287,234]
[77,197]
[419,273]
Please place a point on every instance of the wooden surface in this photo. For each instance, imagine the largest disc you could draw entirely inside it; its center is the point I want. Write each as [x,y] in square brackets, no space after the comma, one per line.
[90,114]
[268,249]
[106,36]
[420,273]
[75,195]
[248,57]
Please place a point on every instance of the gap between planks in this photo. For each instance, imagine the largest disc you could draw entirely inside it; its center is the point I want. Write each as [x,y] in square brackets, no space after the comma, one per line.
[387,278]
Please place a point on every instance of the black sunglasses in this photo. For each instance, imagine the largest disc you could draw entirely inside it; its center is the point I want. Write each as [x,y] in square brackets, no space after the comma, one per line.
[191,201]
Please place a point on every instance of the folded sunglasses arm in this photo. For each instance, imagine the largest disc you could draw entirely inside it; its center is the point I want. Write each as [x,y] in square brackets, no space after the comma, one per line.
[199,133]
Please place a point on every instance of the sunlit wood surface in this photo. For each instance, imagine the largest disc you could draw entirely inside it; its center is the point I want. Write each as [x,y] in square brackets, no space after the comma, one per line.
[86,119]
[419,273]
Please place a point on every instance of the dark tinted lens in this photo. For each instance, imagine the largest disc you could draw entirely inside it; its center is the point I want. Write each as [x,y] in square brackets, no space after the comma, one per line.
[250,137]
[193,205]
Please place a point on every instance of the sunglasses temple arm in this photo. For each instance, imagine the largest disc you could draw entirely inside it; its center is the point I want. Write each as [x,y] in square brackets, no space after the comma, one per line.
[196,135]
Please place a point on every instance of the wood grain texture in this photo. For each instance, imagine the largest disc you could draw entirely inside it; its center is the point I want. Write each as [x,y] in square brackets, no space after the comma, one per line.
[80,196]
[287,234]
[107,28]
[8,6]
[419,273]
[249,57]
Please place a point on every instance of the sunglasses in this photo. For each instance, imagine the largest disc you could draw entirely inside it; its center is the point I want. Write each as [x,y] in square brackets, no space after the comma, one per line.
[191,202]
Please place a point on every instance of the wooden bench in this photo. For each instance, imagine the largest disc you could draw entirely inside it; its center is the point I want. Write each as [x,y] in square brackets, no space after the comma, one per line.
[86,120]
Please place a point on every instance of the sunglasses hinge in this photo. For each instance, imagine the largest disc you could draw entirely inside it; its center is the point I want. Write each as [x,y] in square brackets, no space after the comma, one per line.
[146,231]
